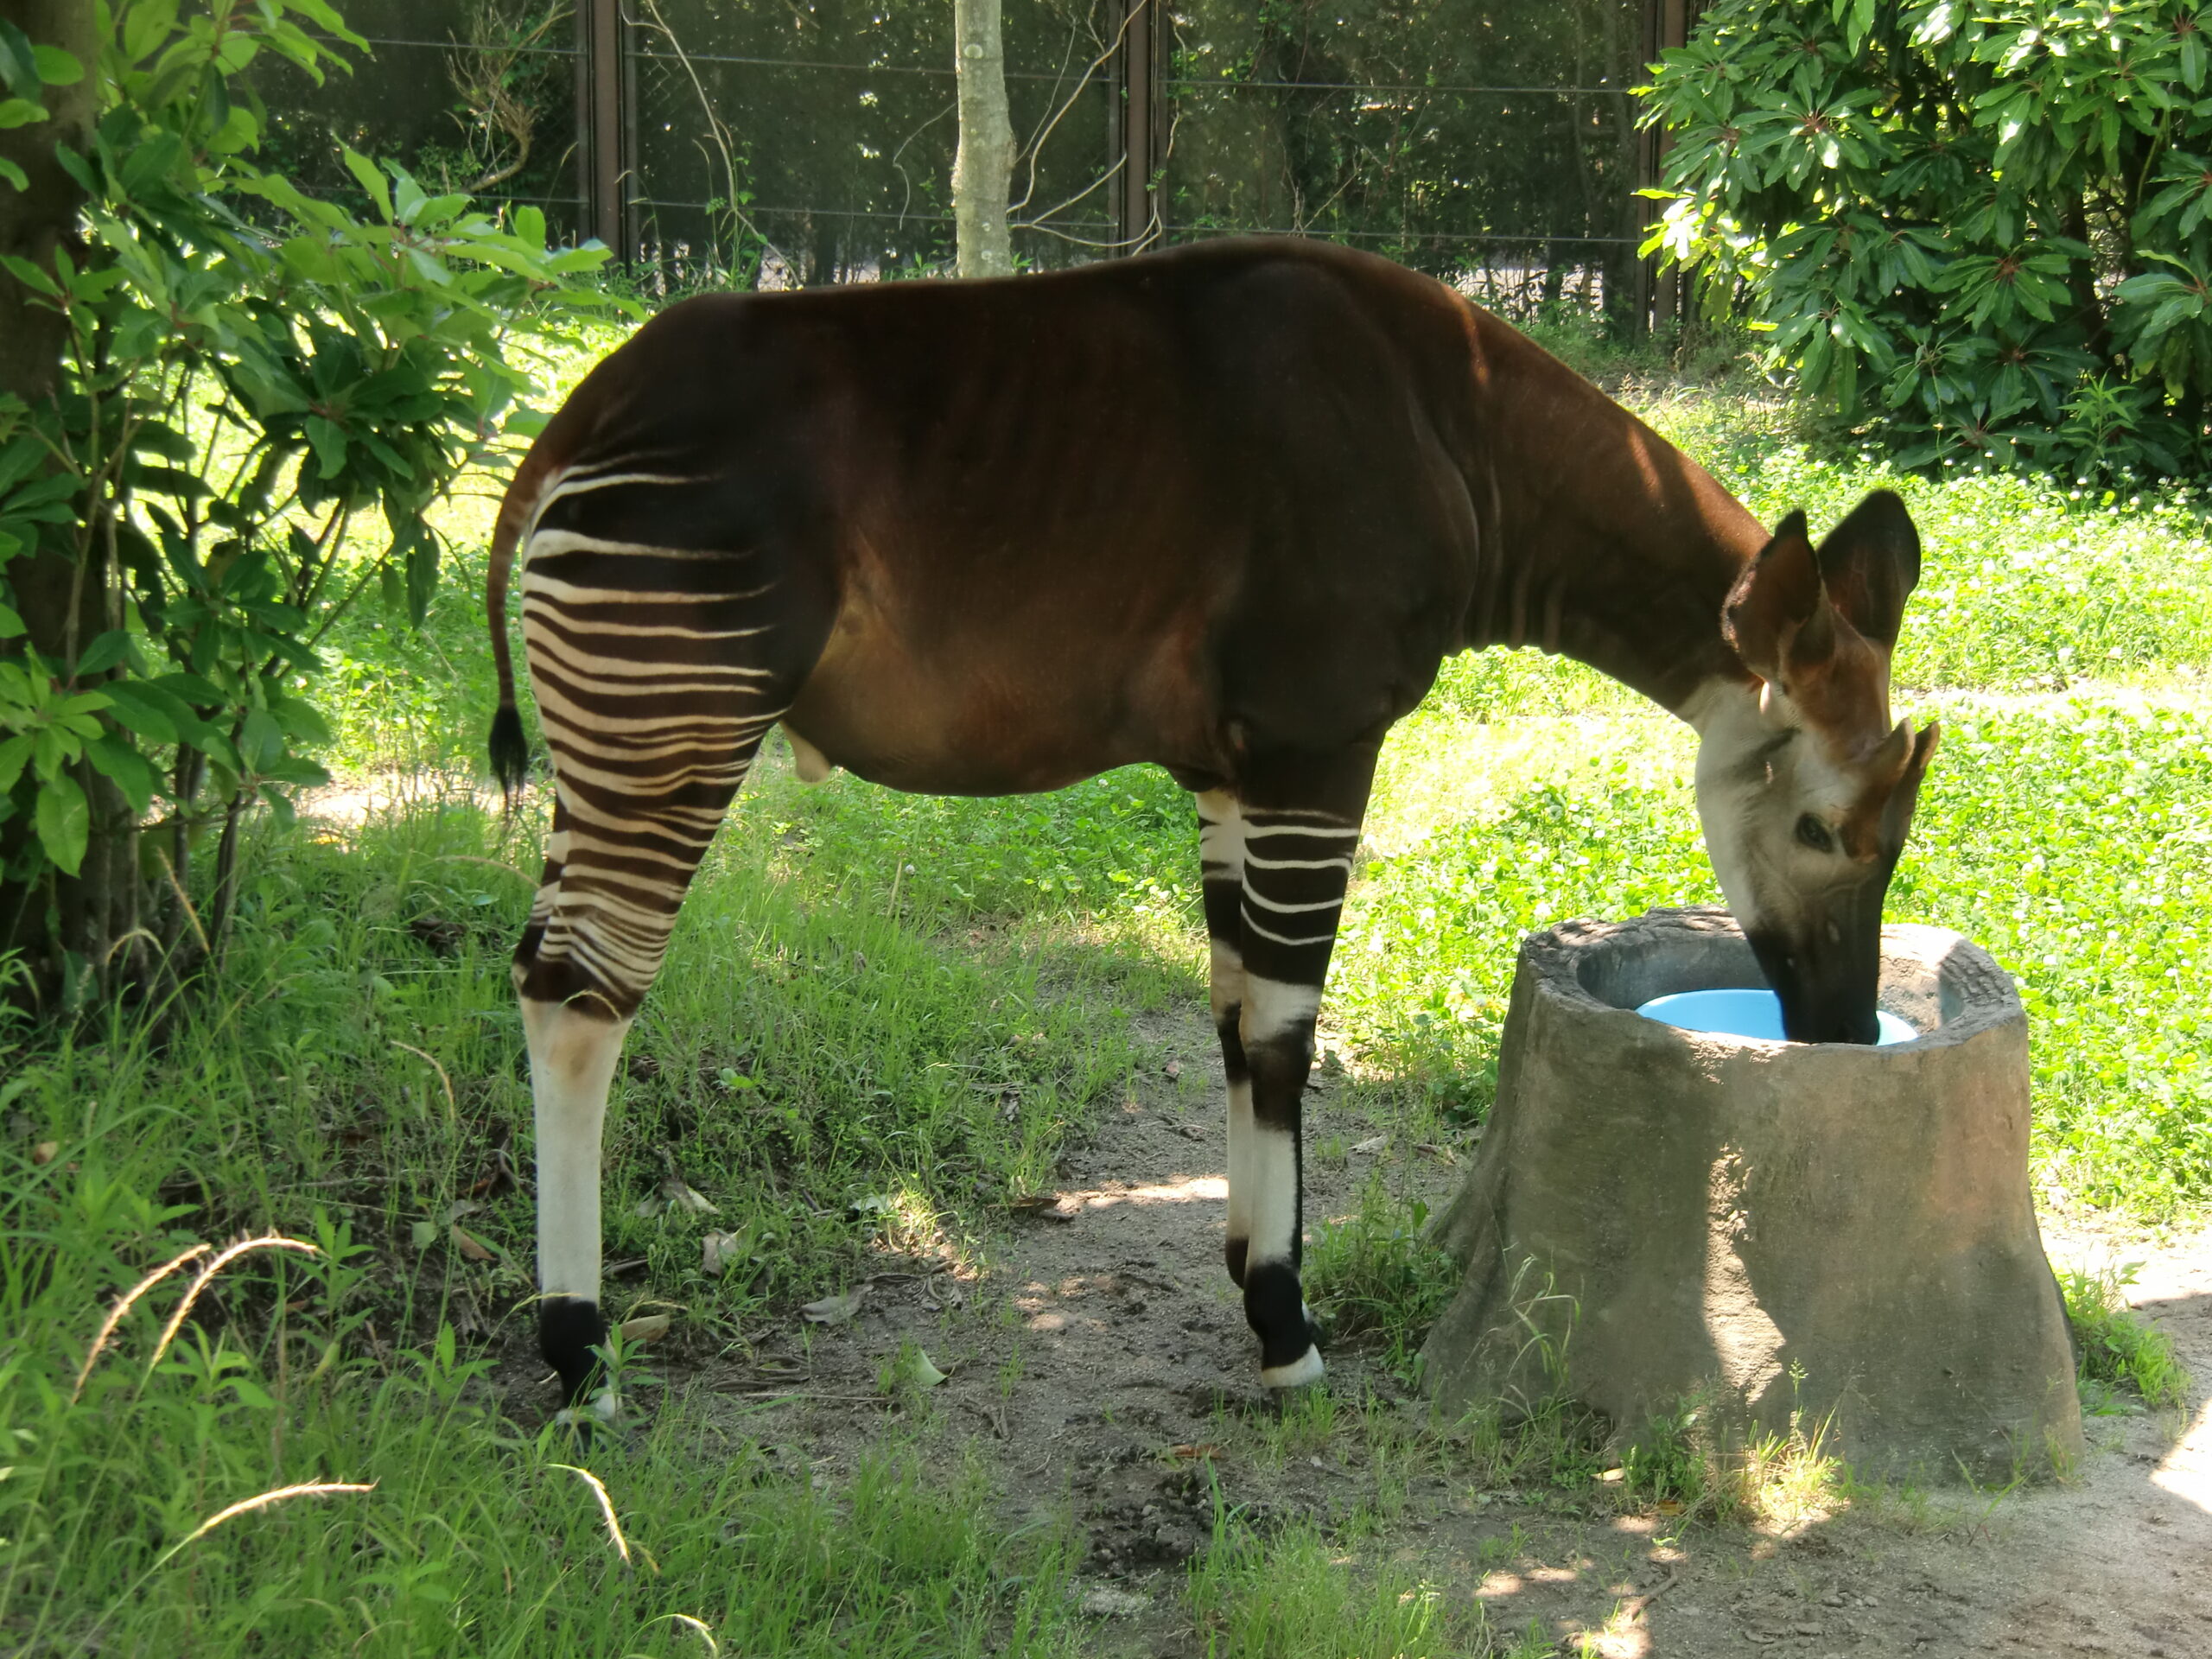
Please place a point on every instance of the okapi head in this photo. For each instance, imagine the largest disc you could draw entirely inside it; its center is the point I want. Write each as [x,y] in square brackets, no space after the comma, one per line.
[1807,792]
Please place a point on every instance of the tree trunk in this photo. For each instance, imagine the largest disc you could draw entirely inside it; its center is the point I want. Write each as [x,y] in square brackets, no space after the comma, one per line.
[59,597]
[984,167]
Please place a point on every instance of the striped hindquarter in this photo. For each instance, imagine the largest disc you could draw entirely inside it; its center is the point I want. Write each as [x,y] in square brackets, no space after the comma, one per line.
[659,660]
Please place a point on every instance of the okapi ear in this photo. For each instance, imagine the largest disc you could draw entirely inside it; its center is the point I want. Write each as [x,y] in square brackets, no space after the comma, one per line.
[1777,614]
[1870,563]
[1896,814]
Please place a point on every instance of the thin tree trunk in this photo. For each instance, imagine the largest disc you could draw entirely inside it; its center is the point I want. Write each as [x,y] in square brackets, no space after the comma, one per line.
[60,604]
[984,167]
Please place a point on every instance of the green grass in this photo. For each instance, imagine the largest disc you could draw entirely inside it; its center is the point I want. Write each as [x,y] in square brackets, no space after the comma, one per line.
[1376,1278]
[431,1523]
[1297,1596]
[884,1016]
[2121,1356]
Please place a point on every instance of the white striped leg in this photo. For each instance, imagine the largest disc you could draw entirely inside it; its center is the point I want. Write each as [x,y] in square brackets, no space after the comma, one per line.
[1221,862]
[1296,865]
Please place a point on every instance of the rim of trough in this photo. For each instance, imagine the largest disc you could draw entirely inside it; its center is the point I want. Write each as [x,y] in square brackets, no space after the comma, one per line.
[1987,997]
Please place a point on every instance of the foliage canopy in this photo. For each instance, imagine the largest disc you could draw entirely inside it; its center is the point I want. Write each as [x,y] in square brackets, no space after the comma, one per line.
[1987,227]
[248,373]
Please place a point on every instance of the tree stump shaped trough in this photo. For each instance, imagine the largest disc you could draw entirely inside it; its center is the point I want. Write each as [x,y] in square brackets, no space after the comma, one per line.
[1833,1235]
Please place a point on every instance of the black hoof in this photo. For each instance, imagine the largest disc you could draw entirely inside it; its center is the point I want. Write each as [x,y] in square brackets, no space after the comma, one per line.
[1276,1311]
[569,1329]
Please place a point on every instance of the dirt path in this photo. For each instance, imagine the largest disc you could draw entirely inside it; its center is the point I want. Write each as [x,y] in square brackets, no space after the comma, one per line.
[1101,1365]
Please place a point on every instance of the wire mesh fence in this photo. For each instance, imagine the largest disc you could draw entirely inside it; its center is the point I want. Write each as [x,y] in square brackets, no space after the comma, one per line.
[784,144]
[1489,141]
[779,143]
[481,98]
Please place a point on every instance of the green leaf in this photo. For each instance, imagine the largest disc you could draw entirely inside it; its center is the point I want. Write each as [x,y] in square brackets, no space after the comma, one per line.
[11,626]
[261,740]
[104,653]
[14,175]
[30,275]
[140,709]
[57,67]
[329,441]
[126,768]
[15,755]
[18,59]
[370,178]
[64,820]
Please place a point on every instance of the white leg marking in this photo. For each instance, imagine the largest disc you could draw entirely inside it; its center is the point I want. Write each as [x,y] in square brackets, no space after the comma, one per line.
[1306,1368]
[572,1060]
[1272,1164]
[1273,1007]
[1240,1148]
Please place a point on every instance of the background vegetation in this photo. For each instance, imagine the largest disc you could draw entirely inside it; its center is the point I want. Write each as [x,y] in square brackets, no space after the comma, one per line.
[1982,232]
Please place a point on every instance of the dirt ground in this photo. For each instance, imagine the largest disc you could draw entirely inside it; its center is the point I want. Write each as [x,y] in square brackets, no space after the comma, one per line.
[1100,1363]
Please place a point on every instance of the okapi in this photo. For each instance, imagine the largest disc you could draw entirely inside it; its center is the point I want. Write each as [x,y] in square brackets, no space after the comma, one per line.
[1224,509]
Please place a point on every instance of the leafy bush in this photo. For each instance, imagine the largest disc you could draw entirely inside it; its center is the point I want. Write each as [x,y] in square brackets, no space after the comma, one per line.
[248,378]
[1988,229]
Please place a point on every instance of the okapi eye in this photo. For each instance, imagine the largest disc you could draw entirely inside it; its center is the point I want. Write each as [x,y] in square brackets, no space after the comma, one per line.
[1815,834]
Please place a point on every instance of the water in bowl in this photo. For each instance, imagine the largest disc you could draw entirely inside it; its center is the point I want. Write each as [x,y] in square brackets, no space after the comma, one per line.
[1747,1013]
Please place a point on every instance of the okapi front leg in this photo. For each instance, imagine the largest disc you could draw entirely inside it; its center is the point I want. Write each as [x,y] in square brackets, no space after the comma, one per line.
[1296,865]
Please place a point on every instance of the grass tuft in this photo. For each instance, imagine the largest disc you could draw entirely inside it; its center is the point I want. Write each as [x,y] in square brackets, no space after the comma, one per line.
[2119,1353]
[1377,1278]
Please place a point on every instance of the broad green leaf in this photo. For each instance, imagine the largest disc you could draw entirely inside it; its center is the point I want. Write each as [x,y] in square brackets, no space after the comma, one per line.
[57,67]
[64,820]
[370,178]
[261,740]
[18,59]
[329,441]
[126,768]
[104,653]
[140,709]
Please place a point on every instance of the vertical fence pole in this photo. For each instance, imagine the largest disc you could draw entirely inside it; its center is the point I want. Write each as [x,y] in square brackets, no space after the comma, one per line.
[1137,115]
[1670,28]
[601,125]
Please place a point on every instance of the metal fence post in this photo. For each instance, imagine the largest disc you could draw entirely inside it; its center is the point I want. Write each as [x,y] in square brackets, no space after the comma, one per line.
[602,161]
[1137,111]
[1670,28]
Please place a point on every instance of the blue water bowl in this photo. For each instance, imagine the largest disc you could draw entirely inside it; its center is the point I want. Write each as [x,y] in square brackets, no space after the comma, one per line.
[1748,1013]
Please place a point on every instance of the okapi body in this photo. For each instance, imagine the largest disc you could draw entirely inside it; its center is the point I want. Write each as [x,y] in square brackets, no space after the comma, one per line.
[1224,509]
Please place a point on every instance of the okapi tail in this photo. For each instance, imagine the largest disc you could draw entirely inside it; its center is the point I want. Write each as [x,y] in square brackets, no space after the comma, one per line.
[509,745]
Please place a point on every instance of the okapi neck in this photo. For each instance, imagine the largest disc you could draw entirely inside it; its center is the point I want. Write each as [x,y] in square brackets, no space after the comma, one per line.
[1604,542]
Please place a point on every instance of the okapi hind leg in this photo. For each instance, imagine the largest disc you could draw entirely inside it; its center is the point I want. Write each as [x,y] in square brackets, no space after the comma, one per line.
[659,663]
[1300,829]
[1221,863]
[573,1051]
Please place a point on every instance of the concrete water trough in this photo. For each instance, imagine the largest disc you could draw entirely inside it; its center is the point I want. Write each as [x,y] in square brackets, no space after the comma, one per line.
[1819,1234]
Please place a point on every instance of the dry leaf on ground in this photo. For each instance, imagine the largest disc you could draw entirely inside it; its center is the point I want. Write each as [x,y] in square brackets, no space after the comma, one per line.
[832,1310]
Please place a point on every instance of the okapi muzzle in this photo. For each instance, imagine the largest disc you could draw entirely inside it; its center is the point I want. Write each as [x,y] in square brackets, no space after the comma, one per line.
[1805,789]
